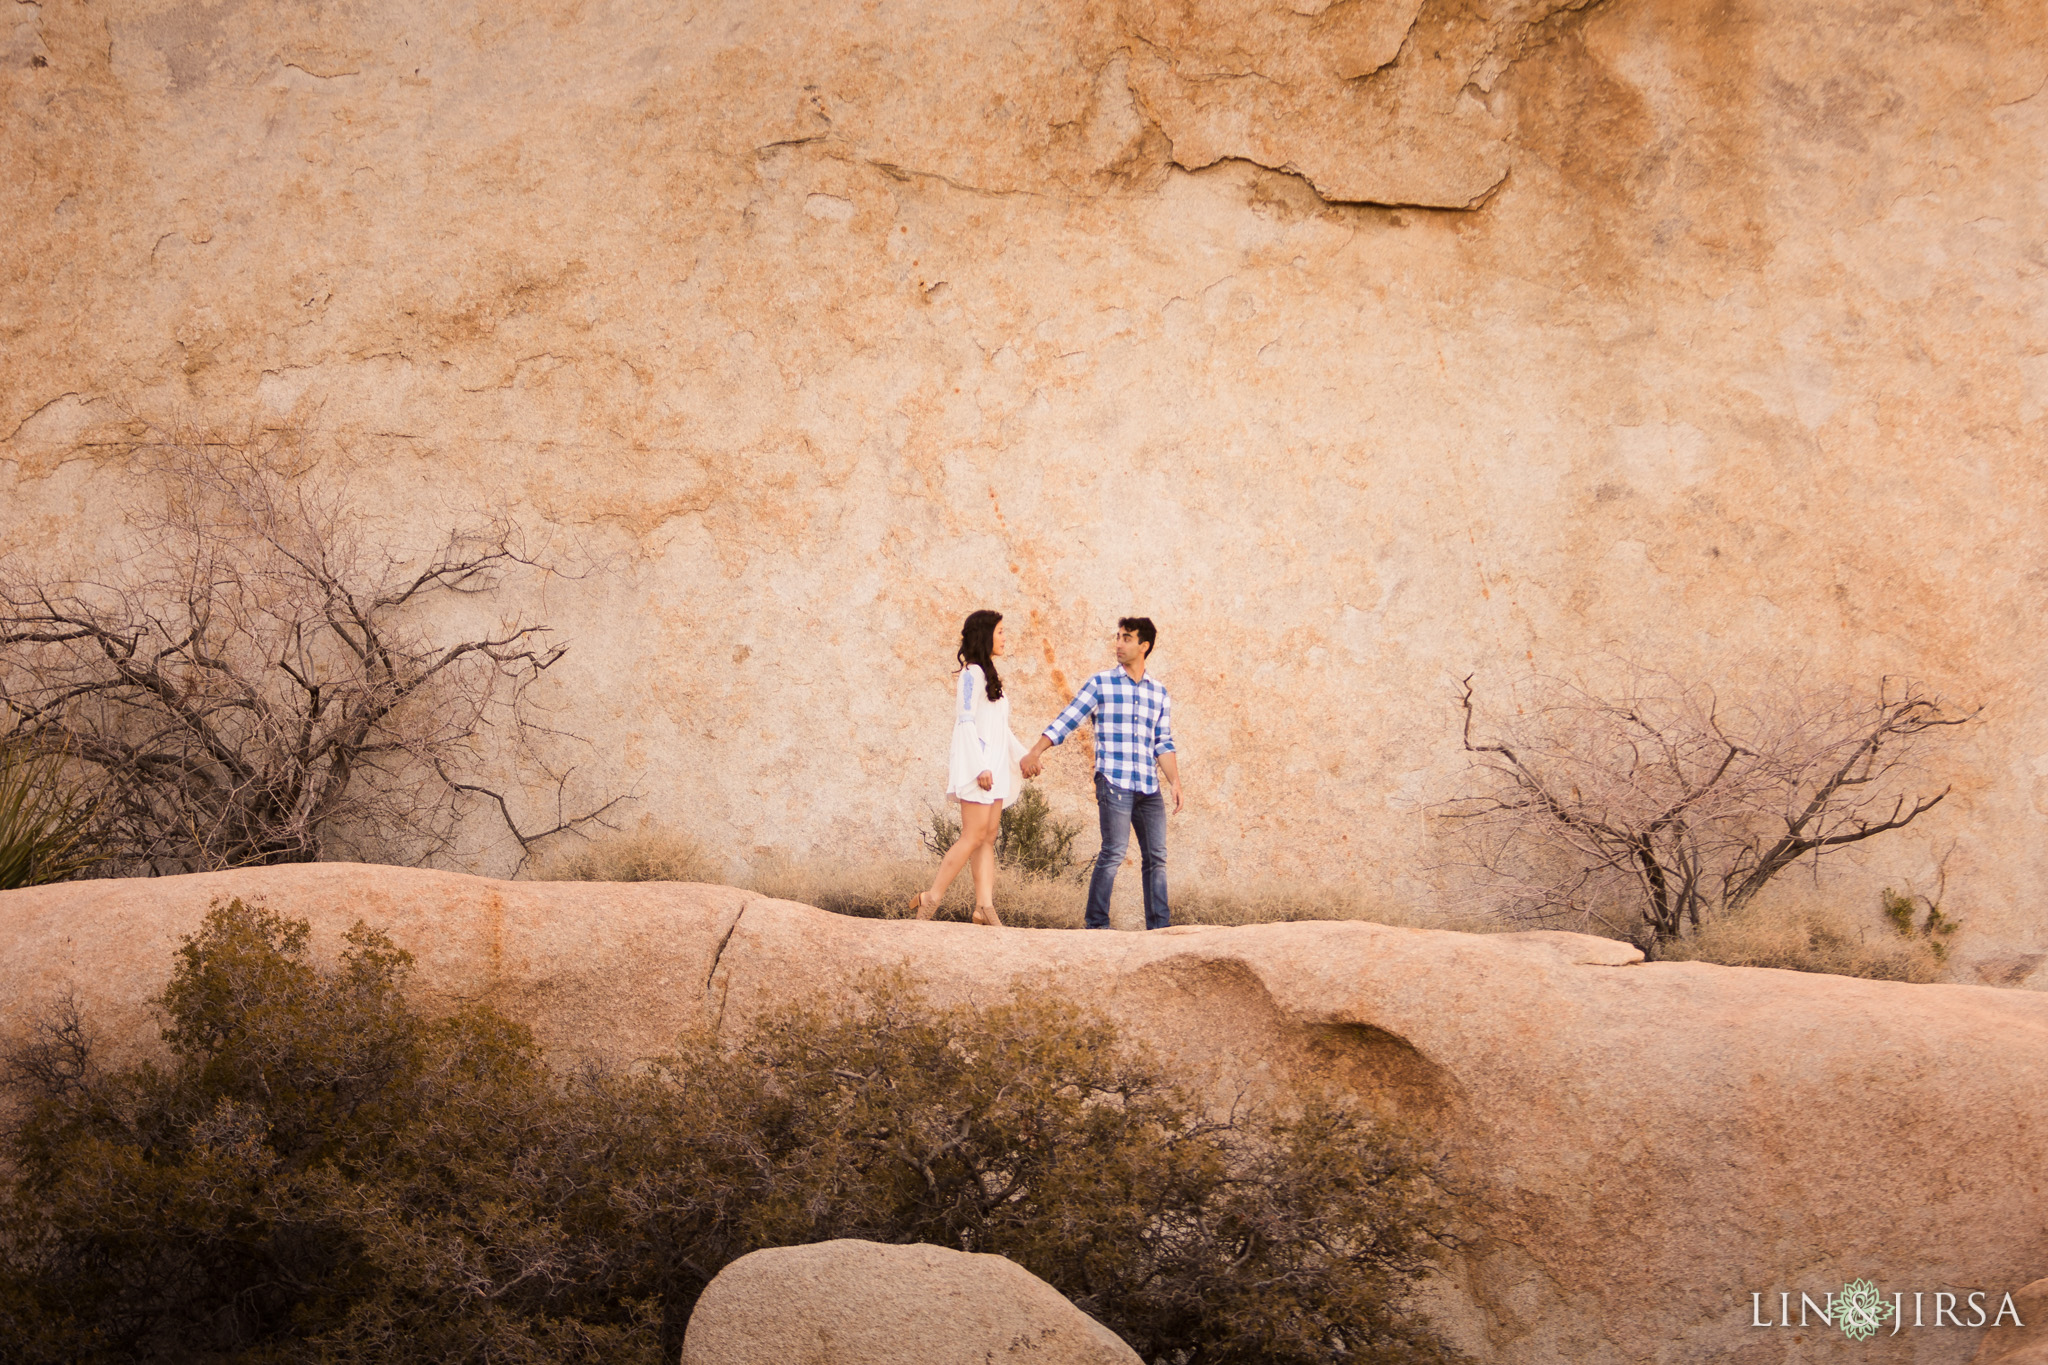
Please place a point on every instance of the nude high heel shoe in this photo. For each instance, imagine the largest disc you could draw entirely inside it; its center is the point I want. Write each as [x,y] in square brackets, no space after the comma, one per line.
[992,917]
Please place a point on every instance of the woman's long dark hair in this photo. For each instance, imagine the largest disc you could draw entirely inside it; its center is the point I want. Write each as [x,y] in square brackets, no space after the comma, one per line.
[977,647]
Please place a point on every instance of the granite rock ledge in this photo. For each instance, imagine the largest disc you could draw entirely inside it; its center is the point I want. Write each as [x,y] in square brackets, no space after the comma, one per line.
[1648,1144]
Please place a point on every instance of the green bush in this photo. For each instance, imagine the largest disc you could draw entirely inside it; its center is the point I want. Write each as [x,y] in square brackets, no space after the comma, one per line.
[1028,1129]
[1029,839]
[1934,931]
[316,1173]
[42,822]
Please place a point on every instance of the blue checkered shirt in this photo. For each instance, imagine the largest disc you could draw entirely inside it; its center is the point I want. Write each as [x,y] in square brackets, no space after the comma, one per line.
[1133,725]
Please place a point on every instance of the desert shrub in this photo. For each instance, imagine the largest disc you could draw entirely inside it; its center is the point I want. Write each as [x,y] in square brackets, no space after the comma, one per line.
[1029,838]
[647,855]
[272,677]
[1030,1130]
[317,1173]
[1032,840]
[1643,804]
[1901,908]
[43,821]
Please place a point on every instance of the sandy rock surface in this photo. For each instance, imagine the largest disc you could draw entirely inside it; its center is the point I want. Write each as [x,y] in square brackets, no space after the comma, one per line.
[1648,1145]
[852,1303]
[2026,1344]
[600,969]
[1362,344]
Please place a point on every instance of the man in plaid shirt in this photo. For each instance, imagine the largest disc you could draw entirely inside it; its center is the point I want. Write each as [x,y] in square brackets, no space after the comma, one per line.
[1133,750]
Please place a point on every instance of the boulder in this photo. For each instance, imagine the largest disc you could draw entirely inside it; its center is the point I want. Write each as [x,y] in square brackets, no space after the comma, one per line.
[602,971]
[851,1303]
[1647,1146]
[1358,342]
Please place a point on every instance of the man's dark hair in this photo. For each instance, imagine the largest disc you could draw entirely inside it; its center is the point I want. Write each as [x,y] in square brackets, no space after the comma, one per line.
[1147,632]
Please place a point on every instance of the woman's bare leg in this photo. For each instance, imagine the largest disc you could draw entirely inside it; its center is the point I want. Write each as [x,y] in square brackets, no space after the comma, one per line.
[984,865]
[977,825]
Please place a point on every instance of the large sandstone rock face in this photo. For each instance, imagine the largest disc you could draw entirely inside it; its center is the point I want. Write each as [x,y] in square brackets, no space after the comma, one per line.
[1648,1146]
[852,1303]
[1363,344]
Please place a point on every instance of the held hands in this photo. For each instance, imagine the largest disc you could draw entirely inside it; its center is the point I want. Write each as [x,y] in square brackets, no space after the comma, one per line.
[986,781]
[1031,765]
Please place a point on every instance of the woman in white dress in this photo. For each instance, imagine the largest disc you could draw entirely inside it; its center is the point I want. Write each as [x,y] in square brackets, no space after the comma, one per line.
[982,771]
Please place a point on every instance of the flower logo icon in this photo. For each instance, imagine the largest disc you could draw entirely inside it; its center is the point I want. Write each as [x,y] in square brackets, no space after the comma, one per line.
[1859,1310]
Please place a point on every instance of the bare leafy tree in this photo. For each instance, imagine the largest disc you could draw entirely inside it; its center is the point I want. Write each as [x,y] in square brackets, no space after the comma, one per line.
[1644,808]
[267,680]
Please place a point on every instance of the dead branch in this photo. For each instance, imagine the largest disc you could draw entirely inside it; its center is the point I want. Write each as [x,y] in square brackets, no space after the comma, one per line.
[1651,805]
[265,676]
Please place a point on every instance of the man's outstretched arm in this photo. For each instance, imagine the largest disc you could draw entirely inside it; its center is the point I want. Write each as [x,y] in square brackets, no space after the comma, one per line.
[1064,724]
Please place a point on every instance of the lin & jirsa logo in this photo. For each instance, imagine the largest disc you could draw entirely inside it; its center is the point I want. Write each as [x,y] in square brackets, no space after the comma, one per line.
[1860,1310]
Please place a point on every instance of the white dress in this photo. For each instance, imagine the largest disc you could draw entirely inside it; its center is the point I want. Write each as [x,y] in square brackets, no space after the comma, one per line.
[982,743]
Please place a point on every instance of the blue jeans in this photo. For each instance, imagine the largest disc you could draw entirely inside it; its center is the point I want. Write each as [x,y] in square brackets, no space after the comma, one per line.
[1119,811]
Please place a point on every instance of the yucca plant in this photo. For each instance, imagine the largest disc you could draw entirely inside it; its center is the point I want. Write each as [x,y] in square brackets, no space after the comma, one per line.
[43,821]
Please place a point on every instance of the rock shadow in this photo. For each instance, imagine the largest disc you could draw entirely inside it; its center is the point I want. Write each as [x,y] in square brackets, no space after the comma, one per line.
[1215,1021]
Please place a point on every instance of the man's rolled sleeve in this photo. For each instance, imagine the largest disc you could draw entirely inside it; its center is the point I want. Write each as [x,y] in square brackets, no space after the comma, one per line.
[1078,710]
[1162,736]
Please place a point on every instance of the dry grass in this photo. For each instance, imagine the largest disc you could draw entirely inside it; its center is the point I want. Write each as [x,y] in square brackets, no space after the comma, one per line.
[883,891]
[1810,939]
[1813,938]
[651,854]
[1279,902]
